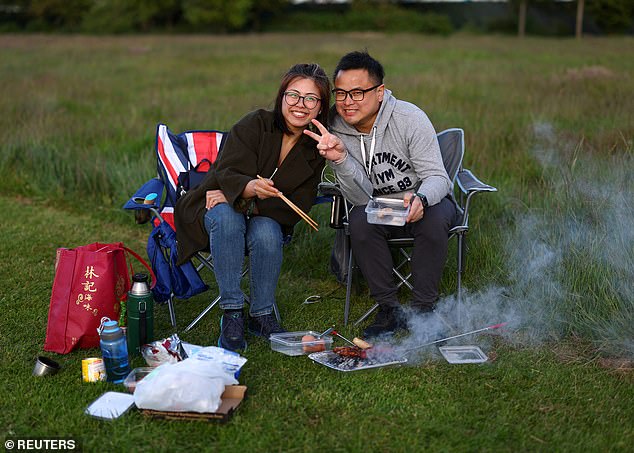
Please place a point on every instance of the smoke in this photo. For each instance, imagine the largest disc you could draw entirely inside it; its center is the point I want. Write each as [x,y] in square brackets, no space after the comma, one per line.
[570,262]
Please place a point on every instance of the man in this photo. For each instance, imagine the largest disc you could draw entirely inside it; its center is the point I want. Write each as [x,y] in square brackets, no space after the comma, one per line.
[387,147]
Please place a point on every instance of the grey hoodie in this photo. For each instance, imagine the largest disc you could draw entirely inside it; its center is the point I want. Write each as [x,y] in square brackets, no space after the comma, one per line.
[406,155]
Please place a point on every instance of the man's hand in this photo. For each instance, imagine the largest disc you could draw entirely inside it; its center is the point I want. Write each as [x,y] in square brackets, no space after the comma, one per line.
[329,145]
[214,197]
[417,210]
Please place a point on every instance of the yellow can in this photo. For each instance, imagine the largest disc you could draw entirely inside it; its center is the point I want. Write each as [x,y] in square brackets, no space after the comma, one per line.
[93,369]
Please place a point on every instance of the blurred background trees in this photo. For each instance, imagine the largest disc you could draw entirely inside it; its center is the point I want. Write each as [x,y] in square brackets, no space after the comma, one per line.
[544,17]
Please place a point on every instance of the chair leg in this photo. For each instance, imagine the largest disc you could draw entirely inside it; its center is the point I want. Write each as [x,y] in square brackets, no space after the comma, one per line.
[461,245]
[461,239]
[170,307]
[217,299]
[366,314]
[202,314]
[346,310]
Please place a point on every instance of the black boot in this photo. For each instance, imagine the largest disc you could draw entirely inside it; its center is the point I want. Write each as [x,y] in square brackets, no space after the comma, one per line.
[421,309]
[388,320]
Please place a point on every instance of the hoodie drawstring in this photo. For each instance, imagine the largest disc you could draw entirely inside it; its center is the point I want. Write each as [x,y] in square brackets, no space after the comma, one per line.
[367,160]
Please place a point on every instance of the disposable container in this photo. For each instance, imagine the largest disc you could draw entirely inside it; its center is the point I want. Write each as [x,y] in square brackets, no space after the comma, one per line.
[135,376]
[463,354]
[290,343]
[387,211]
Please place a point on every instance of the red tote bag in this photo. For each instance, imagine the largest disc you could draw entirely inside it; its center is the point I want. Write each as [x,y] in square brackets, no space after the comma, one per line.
[90,282]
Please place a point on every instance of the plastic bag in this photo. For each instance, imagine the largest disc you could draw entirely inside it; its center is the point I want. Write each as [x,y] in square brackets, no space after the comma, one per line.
[193,385]
[167,350]
[230,361]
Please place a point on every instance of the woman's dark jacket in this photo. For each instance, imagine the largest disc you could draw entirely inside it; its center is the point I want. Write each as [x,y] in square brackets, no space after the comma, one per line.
[252,148]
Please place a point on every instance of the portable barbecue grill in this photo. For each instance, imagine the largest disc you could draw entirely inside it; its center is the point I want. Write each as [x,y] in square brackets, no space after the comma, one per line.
[342,363]
[356,359]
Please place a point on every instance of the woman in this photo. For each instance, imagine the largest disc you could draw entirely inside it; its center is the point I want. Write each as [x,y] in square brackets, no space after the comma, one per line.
[234,212]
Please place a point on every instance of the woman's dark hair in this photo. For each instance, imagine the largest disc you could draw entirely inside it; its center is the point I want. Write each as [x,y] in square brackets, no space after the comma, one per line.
[310,71]
[361,60]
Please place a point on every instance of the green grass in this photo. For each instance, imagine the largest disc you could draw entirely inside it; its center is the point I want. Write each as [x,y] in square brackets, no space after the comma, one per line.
[547,122]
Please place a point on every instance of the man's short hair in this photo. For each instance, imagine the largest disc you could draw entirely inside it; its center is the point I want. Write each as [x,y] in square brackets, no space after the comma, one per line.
[361,60]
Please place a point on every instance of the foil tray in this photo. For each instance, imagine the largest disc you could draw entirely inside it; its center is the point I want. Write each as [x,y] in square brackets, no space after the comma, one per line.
[345,364]
[463,354]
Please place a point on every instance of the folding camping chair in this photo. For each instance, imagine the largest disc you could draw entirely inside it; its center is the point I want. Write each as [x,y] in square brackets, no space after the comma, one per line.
[452,149]
[190,153]
[182,161]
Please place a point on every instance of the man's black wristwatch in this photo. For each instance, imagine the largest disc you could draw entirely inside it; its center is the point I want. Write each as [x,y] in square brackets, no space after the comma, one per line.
[423,199]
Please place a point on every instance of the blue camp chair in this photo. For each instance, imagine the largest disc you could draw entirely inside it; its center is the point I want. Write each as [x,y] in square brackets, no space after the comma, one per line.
[182,160]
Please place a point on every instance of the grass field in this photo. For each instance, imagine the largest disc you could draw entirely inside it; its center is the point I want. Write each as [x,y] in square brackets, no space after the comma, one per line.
[547,121]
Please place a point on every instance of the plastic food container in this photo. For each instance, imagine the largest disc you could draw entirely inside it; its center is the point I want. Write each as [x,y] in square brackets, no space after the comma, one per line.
[135,376]
[290,343]
[386,211]
[463,354]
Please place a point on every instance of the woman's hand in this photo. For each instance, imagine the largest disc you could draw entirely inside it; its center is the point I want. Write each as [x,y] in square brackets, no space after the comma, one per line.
[261,188]
[329,145]
[214,197]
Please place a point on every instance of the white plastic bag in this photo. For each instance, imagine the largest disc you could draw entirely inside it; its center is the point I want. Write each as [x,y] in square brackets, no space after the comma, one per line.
[193,385]
[231,361]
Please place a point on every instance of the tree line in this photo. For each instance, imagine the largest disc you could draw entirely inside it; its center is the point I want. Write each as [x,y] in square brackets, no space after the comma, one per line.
[230,16]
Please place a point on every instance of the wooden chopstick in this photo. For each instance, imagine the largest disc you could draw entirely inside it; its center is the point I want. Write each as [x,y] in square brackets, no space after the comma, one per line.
[297,210]
[301,213]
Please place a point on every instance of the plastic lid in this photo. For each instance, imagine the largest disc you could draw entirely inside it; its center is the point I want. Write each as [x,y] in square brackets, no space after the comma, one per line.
[110,325]
[111,331]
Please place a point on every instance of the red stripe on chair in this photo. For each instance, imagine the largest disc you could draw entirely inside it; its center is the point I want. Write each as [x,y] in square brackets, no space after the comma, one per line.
[202,145]
[168,216]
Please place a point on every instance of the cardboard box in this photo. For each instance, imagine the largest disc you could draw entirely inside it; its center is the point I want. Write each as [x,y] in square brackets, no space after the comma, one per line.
[230,400]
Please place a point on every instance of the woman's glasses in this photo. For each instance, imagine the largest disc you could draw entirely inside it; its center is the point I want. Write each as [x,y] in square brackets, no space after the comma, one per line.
[292,98]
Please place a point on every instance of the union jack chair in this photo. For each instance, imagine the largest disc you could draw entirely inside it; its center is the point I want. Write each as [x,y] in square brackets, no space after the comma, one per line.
[191,154]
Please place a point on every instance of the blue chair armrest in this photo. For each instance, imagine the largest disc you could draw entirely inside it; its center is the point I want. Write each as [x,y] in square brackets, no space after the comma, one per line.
[154,185]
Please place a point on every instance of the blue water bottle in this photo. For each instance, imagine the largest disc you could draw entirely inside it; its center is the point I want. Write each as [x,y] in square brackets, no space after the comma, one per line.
[114,351]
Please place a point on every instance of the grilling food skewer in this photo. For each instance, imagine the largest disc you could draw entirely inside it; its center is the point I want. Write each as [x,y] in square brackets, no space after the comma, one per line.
[495,326]
[326,332]
[337,334]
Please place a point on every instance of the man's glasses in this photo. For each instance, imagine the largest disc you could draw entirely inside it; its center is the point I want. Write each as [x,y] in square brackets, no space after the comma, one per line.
[355,95]
[292,98]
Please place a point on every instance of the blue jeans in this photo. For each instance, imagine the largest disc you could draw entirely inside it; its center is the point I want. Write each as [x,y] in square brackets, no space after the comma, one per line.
[231,234]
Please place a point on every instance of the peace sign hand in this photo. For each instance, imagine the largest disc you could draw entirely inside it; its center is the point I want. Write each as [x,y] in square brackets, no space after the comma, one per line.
[329,145]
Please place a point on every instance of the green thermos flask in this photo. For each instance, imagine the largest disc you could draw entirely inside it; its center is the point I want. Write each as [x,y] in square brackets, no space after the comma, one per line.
[140,314]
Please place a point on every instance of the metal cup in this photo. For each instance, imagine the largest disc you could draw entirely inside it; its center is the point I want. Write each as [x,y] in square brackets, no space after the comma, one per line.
[45,367]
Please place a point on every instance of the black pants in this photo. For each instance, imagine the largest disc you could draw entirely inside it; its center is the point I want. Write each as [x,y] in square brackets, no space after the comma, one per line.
[374,258]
